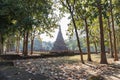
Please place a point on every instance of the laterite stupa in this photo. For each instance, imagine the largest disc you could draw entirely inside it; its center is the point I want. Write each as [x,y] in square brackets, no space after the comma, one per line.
[59,44]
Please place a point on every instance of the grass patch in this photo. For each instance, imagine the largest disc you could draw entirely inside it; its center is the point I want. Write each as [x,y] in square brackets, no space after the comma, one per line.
[95,58]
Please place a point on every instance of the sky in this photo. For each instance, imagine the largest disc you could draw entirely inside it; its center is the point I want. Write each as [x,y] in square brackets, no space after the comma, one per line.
[64,26]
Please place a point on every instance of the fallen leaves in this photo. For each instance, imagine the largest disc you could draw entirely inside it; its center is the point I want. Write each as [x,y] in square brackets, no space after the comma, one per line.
[60,69]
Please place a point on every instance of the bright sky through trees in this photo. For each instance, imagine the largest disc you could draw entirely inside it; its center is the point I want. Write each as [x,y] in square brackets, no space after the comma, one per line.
[64,25]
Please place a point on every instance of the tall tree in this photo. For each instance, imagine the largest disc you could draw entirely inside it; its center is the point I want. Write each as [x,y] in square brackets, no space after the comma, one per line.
[94,32]
[88,42]
[70,5]
[17,42]
[103,54]
[83,11]
[113,30]
[6,18]
[110,40]
[34,13]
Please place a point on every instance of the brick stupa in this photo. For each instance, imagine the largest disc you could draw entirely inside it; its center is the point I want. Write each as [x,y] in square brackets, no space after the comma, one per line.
[59,44]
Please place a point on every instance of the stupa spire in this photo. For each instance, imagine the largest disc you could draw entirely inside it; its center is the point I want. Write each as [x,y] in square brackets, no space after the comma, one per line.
[59,44]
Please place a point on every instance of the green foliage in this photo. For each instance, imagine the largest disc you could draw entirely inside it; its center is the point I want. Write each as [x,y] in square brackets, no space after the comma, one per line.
[117,11]
[6,18]
[38,16]
[20,16]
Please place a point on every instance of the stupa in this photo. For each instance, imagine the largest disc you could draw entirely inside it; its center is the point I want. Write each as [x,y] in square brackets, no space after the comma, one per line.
[59,44]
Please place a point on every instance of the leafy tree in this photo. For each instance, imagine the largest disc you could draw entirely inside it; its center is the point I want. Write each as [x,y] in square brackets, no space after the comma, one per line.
[83,11]
[70,6]
[6,20]
[36,13]
[113,30]
[103,55]
[110,36]
[116,6]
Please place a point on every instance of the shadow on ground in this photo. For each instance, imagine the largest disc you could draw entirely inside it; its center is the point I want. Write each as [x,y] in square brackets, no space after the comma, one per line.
[13,73]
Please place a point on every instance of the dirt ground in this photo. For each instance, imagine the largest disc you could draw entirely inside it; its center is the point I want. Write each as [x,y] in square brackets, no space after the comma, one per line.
[68,68]
[61,68]
[13,73]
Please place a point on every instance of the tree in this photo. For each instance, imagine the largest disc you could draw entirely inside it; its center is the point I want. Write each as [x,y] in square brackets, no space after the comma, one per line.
[22,15]
[18,36]
[82,11]
[110,36]
[113,30]
[6,21]
[94,38]
[103,54]
[116,13]
[70,6]
[35,13]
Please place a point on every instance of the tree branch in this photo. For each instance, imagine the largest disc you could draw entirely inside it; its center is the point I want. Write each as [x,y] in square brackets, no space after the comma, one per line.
[64,4]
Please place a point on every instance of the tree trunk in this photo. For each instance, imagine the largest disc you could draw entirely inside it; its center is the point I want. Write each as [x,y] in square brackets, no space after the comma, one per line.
[0,44]
[110,36]
[2,49]
[32,43]
[78,41]
[103,54]
[88,42]
[18,44]
[26,44]
[95,48]
[113,30]
[8,45]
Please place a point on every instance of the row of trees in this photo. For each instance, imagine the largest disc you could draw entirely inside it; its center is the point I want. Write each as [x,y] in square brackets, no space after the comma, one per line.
[95,17]
[23,19]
